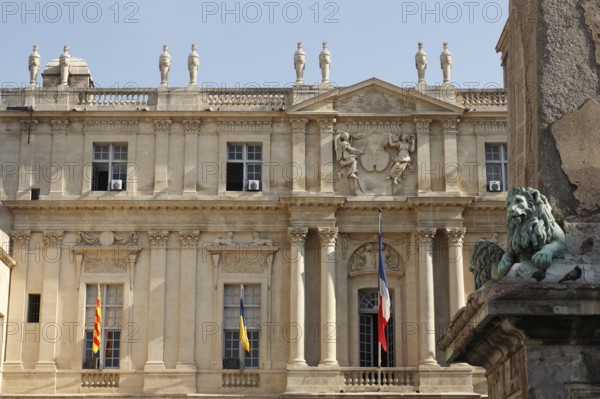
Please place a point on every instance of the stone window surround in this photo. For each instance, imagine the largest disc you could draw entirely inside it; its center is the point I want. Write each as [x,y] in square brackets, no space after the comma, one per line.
[482,140]
[263,138]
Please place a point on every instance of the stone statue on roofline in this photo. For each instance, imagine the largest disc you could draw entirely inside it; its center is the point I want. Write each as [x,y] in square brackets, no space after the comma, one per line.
[533,235]
[325,64]
[299,64]
[64,62]
[421,65]
[164,65]
[446,63]
[34,65]
[193,65]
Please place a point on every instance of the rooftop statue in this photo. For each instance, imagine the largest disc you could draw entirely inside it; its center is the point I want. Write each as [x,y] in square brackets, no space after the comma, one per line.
[193,65]
[34,65]
[325,64]
[446,63]
[65,63]
[299,64]
[164,65]
[533,234]
[421,64]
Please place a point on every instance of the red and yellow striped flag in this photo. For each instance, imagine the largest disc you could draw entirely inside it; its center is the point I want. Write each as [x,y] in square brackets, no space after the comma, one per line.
[97,324]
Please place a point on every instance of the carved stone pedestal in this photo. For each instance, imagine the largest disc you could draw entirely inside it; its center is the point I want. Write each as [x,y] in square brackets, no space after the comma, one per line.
[535,340]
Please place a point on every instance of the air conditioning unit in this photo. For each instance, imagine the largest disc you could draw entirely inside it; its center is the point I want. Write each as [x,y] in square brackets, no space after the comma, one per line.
[494,185]
[253,185]
[116,185]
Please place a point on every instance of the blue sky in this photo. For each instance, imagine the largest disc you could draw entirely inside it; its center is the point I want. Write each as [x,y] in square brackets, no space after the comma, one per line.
[252,44]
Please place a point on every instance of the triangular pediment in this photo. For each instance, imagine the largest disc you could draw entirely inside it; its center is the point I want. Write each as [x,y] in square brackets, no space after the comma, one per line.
[375,97]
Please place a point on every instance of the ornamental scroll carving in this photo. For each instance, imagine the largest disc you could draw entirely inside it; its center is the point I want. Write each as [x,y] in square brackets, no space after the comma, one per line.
[106,252]
[230,256]
[365,259]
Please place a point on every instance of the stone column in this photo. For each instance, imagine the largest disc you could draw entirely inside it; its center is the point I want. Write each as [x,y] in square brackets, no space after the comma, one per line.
[18,301]
[162,128]
[451,175]
[423,154]
[29,172]
[187,299]
[297,316]
[455,262]
[190,169]
[326,133]
[57,170]
[425,237]
[327,237]
[156,300]
[298,154]
[50,330]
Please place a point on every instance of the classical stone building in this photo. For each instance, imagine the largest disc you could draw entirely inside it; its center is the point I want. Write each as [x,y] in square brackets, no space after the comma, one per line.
[168,200]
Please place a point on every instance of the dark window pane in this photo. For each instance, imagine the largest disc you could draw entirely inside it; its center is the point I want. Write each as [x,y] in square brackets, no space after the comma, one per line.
[235,176]
[33,308]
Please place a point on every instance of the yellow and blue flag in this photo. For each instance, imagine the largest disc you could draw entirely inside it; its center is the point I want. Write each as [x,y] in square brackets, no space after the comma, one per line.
[243,331]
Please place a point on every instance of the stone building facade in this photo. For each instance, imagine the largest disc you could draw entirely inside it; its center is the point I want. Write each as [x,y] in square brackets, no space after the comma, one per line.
[168,200]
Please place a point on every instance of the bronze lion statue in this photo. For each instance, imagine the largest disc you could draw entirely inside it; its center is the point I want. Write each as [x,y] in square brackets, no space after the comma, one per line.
[533,234]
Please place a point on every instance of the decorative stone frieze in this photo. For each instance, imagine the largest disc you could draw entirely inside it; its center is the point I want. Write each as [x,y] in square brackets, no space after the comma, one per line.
[59,125]
[354,127]
[106,238]
[192,126]
[244,126]
[20,239]
[52,239]
[93,264]
[162,126]
[366,258]
[105,126]
[158,239]
[491,127]
[189,239]
[422,125]
[29,126]
[455,236]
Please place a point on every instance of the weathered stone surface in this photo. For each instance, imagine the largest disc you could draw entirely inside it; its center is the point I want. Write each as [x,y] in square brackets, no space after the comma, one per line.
[577,136]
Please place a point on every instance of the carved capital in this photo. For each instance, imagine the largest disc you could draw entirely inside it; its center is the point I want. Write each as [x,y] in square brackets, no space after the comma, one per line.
[425,236]
[29,126]
[158,239]
[297,235]
[52,239]
[451,125]
[59,125]
[328,236]
[20,239]
[422,125]
[299,125]
[162,126]
[455,236]
[326,125]
[191,126]
[189,239]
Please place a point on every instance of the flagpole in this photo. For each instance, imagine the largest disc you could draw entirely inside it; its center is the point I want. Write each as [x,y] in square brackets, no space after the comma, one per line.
[378,305]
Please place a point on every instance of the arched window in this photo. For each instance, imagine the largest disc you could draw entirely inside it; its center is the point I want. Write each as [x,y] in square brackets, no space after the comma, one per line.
[368,302]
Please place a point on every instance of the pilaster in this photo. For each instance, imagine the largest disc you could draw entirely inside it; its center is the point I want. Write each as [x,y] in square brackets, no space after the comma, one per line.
[326,128]
[327,238]
[162,129]
[422,127]
[299,154]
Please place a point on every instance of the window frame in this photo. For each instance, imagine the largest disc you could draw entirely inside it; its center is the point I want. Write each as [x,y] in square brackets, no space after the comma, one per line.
[34,309]
[231,334]
[112,333]
[112,162]
[247,164]
[502,163]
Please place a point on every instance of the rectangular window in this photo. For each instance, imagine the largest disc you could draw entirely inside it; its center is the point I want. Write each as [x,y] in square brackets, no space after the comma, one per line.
[244,167]
[109,167]
[234,355]
[33,308]
[110,344]
[496,167]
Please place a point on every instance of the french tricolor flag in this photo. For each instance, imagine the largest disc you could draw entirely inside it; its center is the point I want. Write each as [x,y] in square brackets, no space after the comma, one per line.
[383,314]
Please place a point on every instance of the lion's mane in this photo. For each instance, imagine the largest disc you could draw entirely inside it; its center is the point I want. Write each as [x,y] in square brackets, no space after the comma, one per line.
[537,230]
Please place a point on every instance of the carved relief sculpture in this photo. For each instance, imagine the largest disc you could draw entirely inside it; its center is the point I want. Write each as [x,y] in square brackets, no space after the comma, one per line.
[446,63]
[325,64]
[193,65]
[533,234]
[365,258]
[421,65]
[345,155]
[65,62]
[299,64]
[164,65]
[405,145]
[34,65]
